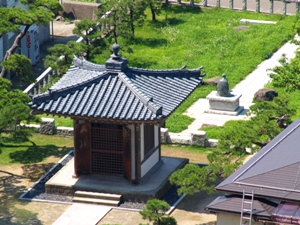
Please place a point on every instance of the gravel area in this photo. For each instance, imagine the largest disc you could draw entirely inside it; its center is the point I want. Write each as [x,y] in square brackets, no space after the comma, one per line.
[37,191]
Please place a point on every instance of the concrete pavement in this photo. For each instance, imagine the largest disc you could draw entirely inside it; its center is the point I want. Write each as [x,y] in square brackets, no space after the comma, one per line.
[82,214]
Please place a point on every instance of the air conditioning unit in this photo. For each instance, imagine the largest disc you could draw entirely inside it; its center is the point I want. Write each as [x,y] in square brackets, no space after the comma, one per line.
[30,44]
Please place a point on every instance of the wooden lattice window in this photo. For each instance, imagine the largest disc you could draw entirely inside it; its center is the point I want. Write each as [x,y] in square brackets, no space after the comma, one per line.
[107,163]
[107,139]
[107,149]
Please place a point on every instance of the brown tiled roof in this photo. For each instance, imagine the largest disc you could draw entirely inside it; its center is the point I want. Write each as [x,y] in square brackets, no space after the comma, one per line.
[233,204]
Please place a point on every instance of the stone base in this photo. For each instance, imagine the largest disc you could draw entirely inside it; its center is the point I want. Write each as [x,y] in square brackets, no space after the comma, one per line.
[230,104]
[228,113]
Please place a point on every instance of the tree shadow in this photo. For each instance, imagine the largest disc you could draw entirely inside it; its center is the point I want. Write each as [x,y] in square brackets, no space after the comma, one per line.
[36,171]
[150,42]
[167,22]
[10,189]
[35,153]
[142,62]
[185,8]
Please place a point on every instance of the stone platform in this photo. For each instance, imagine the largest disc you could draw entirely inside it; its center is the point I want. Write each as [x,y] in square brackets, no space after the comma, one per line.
[154,187]
[224,105]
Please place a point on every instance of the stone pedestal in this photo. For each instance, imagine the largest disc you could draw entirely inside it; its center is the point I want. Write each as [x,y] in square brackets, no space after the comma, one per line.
[224,105]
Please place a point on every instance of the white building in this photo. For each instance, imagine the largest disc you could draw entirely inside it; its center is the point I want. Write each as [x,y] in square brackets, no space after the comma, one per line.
[7,40]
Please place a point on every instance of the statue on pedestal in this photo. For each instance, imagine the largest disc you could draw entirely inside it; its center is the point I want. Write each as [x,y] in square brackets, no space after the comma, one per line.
[223,87]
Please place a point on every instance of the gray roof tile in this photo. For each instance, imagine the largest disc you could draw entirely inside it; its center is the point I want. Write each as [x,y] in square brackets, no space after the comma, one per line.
[273,171]
[91,90]
[233,204]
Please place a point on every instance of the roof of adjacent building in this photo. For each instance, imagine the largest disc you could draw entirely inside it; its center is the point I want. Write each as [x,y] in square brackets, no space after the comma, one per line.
[233,204]
[116,91]
[273,172]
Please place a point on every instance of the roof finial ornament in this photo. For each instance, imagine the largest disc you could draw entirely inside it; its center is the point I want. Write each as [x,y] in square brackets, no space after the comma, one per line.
[115,49]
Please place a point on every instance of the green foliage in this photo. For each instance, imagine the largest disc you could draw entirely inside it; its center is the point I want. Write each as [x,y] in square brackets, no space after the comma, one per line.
[21,66]
[190,179]
[287,75]
[90,31]
[62,55]
[13,108]
[205,37]
[19,20]
[267,120]
[155,210]
[121,17]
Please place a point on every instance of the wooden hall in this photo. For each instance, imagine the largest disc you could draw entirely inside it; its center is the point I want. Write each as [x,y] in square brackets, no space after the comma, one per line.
[118,112]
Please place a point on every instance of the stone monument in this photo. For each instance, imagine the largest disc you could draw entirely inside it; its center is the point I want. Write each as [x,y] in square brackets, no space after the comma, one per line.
[223,101]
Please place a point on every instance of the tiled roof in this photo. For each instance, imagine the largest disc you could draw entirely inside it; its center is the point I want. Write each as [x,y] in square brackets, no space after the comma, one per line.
[274,171]
[91,90]
[233,204]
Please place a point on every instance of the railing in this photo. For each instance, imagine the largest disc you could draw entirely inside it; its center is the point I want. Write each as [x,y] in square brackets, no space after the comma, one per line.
[285,7]
[42,80]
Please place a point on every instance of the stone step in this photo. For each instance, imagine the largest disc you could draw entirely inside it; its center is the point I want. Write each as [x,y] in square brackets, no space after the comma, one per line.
[98,195]
[96,201]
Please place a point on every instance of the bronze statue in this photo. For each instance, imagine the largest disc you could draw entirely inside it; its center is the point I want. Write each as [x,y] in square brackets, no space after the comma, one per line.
[223,87]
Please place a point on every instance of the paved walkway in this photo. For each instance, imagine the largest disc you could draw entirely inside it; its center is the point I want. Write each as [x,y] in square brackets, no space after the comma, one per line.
[251,84]
[82,214]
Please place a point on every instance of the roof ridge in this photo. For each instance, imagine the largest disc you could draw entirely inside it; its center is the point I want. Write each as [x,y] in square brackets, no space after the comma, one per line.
[170,71]
[140,95]
[68,88]
[265,153]
[84,64]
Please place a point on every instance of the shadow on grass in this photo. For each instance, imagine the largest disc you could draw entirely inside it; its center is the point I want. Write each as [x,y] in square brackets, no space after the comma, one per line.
[184,9]
[10,189]
[35,153]
[151,42]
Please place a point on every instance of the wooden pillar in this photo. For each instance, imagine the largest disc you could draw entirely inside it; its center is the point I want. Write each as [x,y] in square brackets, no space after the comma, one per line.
[82,147]
[204,3]
[137,153]
[191,2]
[127,152]
[258,6]
[271,10]
[218,4]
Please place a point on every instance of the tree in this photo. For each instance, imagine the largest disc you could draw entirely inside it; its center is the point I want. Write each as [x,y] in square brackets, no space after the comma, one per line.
[19,20]
[155,210]
[121,17]
[13,108]
[287,75]
[90,31]
[267,120]
[62,55]
[155,7]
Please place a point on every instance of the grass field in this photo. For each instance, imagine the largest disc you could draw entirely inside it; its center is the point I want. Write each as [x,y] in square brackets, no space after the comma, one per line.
[213,38]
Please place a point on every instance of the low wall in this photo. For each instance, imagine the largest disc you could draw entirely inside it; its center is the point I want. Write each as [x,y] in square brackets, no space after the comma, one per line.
[80,10]
[197,138]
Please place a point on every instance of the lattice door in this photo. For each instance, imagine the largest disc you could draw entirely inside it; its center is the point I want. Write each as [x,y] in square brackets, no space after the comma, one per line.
[107,151]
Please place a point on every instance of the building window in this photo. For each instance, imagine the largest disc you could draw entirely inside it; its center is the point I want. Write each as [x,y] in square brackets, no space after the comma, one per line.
[148,138]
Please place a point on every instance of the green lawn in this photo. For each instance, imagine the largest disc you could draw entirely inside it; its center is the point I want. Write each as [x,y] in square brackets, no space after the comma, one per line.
[36,149]
[208,37]
[212,37]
